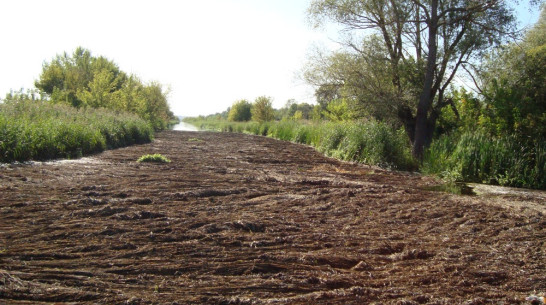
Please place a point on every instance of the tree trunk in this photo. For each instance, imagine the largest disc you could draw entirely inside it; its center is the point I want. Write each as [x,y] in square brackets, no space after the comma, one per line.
[407,118]
[427,96]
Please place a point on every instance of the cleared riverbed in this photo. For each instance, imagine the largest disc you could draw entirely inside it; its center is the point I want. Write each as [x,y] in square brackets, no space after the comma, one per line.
[239,219]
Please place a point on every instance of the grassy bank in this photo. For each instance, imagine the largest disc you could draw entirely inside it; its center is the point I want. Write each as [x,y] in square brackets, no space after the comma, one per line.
[469,157]
[38,130]
[367,142]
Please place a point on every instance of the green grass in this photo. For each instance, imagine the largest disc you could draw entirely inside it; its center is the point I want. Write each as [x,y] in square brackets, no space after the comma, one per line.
[38,130]
[479,157]
[468,157]
[367,142]
[157,158]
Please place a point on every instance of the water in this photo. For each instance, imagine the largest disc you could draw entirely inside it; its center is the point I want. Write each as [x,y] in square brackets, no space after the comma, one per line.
[183,126]
[457,188]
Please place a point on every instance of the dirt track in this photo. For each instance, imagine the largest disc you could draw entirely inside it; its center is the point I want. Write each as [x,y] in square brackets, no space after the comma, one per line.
[238,219]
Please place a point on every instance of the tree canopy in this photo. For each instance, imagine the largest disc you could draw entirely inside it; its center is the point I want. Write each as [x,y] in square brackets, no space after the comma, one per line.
[410,54]
[83,80]
[262,109]
[240,111]
[513,83]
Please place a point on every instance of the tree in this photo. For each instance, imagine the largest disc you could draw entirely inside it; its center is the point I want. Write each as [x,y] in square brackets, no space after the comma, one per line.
[513,83]
[262,109]
[80,78]
[156,109]
[294,111]
[83,80]
[363,81]
[240,111]
[432,39]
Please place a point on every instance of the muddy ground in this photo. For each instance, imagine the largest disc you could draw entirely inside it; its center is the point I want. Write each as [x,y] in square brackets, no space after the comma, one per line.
[239,219]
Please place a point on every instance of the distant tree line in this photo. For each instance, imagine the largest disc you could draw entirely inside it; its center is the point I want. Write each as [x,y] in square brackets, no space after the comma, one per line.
[261,110]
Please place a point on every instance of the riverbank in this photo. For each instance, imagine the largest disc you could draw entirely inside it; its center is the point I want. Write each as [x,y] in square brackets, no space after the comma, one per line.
[243,219]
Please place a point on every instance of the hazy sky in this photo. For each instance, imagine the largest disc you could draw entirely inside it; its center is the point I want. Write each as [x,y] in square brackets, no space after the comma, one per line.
[210,53]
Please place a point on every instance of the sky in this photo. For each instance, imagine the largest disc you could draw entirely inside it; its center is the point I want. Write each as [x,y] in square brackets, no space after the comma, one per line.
[207,53]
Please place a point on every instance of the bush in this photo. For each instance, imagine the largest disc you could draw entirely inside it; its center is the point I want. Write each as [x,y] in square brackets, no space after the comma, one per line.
[157,158]
[369,142]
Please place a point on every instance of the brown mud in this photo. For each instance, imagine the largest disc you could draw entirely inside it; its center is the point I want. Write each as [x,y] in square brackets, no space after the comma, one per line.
[239,219]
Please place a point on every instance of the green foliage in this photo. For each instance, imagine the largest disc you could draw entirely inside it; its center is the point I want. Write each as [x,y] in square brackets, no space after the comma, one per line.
[368,142]
[514,79]
[337,110]
[262,109]
[82,80]
[33,129]
[479,157]
[295,111]
[157,158]
[240,111]
[499,139]
[284,130]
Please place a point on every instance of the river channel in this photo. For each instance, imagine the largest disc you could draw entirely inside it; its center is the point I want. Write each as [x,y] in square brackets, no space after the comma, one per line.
[183,126]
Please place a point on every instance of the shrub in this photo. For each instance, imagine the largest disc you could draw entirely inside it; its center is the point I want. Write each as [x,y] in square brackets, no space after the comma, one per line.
[158,158]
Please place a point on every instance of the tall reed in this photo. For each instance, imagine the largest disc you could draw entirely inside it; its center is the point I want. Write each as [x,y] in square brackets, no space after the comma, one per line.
[39,130]
[367,142]
[478,157]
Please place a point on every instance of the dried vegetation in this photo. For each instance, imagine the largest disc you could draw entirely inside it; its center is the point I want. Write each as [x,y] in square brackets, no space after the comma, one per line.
[239,219]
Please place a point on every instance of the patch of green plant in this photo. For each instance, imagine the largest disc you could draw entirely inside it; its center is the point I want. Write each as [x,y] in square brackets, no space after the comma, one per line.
[158,158]
[367,142]
[475,156]
[38,130]
[195,140]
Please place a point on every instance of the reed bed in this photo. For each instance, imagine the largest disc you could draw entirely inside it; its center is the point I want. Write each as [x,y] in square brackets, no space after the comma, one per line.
[38,130]
[478,157]
[369,142]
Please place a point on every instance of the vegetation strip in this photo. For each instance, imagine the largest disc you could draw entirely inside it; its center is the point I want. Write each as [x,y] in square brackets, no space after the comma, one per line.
[83,105]
[38,130]
[368,142]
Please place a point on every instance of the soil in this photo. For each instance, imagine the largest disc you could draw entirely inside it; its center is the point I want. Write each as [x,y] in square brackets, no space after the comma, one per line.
[240,219]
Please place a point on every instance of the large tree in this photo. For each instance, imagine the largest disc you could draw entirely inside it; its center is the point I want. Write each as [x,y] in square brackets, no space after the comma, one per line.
[262,109]
[82,80]
[240,111]
[425,44]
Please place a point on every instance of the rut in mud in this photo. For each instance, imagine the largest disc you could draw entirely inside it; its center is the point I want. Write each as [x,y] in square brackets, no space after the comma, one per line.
[238,219]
